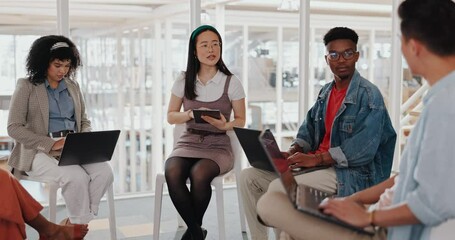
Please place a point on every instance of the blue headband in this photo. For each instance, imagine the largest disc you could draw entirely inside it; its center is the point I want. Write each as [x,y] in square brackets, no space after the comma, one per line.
[201,29]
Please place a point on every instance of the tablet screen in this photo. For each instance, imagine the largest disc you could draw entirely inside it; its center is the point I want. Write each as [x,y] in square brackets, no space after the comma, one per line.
[215,113]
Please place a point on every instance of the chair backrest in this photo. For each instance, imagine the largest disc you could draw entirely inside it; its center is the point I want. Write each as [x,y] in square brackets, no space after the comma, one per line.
[444,231]
[237,151]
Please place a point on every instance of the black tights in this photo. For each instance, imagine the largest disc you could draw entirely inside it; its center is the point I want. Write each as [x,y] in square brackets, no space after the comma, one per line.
[191,204]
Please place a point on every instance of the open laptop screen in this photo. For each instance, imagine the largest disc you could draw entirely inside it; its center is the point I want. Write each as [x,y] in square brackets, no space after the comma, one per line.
[249,140]
[279,162]
[88,147]
[309,198]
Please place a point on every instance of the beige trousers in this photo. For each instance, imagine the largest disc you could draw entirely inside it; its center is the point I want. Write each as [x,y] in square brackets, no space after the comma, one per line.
[254,183]
[297,225]
[83,186]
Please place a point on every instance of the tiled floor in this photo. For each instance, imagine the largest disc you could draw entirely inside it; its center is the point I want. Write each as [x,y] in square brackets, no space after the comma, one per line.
[135,218]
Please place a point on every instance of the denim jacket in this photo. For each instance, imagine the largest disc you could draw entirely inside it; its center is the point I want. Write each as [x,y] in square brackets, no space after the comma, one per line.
[362,140]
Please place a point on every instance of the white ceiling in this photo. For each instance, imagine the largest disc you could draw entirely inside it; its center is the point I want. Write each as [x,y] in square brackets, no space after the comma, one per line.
[28,17]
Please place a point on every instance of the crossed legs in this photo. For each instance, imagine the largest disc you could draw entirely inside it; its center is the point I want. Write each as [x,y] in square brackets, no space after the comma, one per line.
[300,226]
[256,183]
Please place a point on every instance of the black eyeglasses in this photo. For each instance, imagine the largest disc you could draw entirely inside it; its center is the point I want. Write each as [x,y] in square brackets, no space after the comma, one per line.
[347,54]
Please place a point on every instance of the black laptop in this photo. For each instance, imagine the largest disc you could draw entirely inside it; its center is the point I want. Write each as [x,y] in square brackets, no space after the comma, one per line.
[304,198]
[249,140]
[88,147]
[257,157]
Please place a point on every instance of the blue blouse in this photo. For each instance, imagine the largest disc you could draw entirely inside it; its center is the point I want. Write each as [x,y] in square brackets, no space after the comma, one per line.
[61,108]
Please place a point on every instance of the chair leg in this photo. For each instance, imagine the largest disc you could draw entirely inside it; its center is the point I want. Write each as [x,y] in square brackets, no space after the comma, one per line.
[158,205]
[53,187]
[112,221]
[239,158]
[241,209]
[220,210]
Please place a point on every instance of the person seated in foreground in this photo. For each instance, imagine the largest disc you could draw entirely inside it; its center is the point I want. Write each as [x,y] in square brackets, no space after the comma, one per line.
[18,208]
[421,197]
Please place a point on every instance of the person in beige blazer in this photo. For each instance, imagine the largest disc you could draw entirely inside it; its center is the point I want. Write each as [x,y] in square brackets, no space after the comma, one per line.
[49,102]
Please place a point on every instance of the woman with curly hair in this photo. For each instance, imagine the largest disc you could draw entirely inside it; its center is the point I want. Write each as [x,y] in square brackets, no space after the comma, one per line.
[45,106]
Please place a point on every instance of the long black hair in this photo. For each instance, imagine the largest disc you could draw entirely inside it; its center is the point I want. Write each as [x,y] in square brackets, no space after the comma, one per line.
[193,65]
[46,49]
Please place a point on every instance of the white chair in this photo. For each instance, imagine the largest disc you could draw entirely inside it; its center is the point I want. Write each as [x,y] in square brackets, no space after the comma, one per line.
[444,231]
[217,183]
[53,187]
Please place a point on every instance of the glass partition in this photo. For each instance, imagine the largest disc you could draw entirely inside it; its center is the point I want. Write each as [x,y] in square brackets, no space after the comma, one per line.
[131,60]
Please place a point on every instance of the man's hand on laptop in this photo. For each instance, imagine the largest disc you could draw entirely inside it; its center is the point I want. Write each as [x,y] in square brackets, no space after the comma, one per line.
[298,160]
[294,148]
[286,154]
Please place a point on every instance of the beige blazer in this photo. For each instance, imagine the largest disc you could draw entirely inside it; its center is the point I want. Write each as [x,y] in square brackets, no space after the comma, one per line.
[28,121]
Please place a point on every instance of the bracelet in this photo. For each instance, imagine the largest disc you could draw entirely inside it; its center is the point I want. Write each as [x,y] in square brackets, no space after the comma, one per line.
[371,218]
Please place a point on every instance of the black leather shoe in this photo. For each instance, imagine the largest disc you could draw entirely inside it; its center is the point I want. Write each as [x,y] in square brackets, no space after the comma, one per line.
[187,235]
[204,232]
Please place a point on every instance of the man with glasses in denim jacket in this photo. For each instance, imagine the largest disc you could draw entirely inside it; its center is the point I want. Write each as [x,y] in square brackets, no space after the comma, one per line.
[348,130]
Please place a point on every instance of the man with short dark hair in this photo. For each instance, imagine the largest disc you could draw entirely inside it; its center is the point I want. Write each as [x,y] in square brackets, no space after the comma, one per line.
[421,197]
[348,130]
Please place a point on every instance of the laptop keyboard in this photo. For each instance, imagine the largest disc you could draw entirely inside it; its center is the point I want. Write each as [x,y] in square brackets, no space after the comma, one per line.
[318,195]
[309,194]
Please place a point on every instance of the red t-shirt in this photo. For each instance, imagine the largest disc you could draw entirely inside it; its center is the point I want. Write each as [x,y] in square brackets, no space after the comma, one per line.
[335,100]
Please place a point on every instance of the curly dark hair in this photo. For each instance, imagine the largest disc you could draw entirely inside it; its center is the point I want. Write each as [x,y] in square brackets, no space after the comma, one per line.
[42,53]
[430,21]
[340,33]
[193,65]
